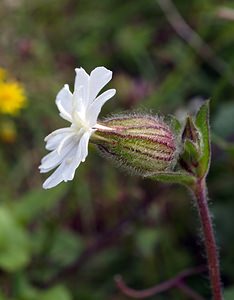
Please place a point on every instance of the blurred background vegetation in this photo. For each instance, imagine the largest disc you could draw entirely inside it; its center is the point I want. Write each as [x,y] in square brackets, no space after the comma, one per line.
[69,242]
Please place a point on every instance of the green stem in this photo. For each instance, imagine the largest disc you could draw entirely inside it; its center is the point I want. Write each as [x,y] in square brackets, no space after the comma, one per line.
[209,238]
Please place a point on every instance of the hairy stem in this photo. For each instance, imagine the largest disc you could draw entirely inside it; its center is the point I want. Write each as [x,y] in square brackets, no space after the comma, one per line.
[209,238]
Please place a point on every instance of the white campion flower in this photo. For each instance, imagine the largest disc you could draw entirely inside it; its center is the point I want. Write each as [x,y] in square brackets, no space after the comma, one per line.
[69,145]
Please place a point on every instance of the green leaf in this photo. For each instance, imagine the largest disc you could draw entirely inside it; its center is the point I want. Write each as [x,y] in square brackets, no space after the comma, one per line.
[37,201]
[57,292]
[191,151]
[190,157]
[174,124]
[2,297]
[174,177]
[146,239]
[14,243]
[66,247]
[202,123]
[25,291]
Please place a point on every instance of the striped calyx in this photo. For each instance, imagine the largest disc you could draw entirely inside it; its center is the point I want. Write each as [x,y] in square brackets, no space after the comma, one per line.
[142,144]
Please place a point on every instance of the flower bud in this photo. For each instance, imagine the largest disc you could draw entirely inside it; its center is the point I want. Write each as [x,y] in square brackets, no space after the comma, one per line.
[142,144]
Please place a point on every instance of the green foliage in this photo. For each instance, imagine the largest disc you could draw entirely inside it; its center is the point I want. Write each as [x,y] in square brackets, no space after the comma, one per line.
[37,202]
[58,292]
[174,177]
[14,243]
[195,153]
[191,151]
[27,292]
[203,125]
[146,240]
[174,124]
[66,247]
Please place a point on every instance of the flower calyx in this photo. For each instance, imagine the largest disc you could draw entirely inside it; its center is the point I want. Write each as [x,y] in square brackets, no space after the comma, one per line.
[141,144]
[195,154]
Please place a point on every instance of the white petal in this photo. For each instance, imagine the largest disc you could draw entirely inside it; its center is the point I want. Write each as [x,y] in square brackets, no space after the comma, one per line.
[70,145]
[95,107]
[70,163]
[64,172]
[50,161]
[55,178]
[63,142]
[53,159]
[79,102]
[81,84]
[55,137]
[57,131]
[64,103]
[73,161]
[99,77]
[84,141]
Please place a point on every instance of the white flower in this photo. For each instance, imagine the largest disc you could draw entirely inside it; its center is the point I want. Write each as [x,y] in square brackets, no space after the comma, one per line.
[69,145]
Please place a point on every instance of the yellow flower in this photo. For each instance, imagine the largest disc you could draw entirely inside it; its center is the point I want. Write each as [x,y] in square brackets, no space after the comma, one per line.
[7,132]
[12,97]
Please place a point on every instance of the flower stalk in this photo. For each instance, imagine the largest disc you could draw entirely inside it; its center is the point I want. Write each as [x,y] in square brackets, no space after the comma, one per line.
[200,192]
[195,159]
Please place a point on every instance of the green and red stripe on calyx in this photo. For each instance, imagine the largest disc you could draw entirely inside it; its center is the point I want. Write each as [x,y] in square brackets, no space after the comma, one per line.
[140,144]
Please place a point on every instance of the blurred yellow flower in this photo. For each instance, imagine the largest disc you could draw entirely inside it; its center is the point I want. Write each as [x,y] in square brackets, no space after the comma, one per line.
[12,97]
[8,132]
